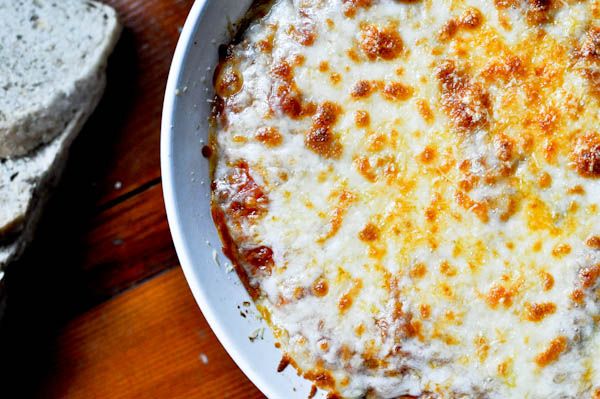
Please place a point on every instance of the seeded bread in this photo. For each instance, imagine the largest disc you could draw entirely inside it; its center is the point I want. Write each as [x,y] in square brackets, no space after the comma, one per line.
[49,62]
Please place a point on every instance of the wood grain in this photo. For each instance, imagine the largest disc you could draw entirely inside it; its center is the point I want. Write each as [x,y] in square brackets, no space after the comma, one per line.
[127,243]
[151,342]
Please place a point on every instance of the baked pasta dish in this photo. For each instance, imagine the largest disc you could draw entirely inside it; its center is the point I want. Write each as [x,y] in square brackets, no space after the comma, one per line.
[410,192]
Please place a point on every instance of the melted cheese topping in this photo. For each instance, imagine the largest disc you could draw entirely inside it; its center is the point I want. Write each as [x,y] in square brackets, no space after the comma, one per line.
[410,190]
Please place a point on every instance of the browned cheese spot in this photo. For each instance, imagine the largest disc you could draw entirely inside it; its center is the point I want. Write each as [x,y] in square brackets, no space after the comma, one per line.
[465,102]
[447,269]
[347,300]
[483,347]
[298,59]
[504,69]
[425,311]
[499,295]
[412,327]
[590,47]
[418,271]
[351,6]
[299,293]
[345,199]
[505,148]
[353,55]
[539,11]
[589,276]
[552,352]
[470,19]
[335,78]
[362,119]
[561,250]
[322,378]
[369,233]
[363,165]
[305,34]
[266,45]
[536,11]
[576,190]
[396,91]
[286,94]
[320,138]
[379,43]
[577,296]
[425,111]
[547,281]
[545,180]
[320,287]
[587,156]
[480,209]
[289,98]
[283,70]
[538,311]
[428,155]
[269,136]
[359,330]
[593,242]
[361,89]
[504,367]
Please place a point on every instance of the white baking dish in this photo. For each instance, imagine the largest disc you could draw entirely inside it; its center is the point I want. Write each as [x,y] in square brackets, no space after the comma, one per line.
[186,186]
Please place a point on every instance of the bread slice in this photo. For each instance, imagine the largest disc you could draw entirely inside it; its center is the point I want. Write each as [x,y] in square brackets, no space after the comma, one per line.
[52,71]
[37,130]
[36,176]
[49,64]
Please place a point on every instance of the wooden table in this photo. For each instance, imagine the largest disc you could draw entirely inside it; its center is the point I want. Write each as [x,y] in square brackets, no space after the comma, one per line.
[98,307]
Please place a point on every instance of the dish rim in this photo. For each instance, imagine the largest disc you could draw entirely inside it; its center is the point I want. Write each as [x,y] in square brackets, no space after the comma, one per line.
[184,46]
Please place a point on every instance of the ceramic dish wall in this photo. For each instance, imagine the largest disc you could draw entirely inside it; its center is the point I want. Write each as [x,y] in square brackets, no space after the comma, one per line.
[186,186]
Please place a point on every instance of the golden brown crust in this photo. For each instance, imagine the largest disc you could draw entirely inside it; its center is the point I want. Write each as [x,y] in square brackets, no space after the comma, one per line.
[469,20]
[269,136]
[396,91]
[466,102]
[352,6]
[589,276]
[536,11]
[377,43]
[320,138]
[464,88]
[587,156]
[361,89]
[536,312]
[552,352]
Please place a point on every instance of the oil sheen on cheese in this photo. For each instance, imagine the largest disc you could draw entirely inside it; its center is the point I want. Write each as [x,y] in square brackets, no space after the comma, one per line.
[410,190]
